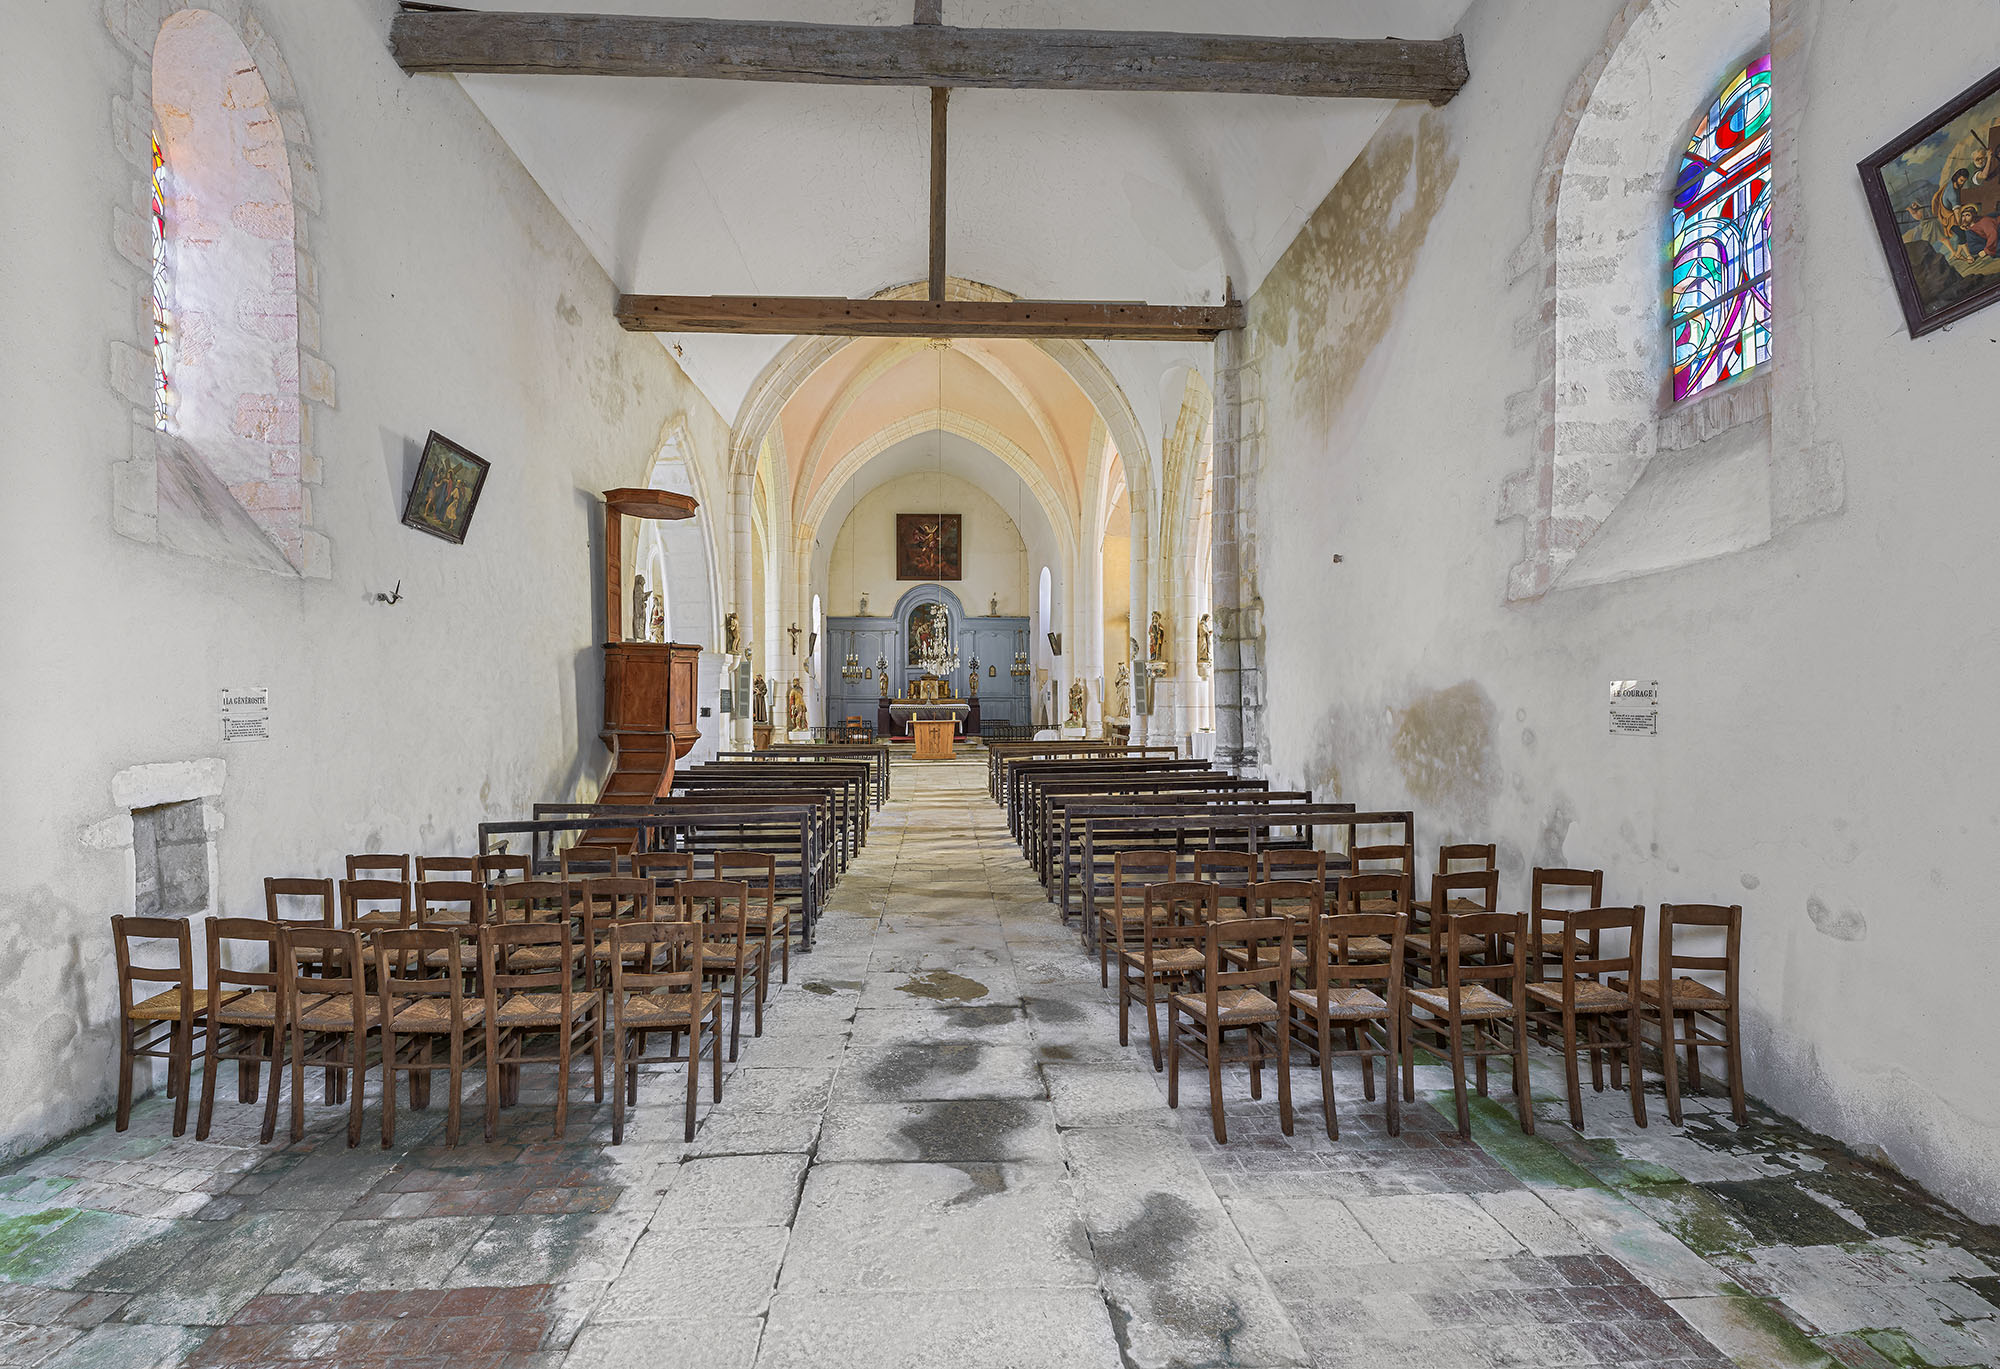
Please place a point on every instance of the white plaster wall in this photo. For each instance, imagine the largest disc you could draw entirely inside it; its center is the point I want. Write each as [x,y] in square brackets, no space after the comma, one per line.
[453,296]
[1825,755]
[994,557]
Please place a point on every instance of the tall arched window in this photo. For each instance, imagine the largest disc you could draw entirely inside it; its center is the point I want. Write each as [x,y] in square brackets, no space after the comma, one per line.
[1719,239]
[160,395]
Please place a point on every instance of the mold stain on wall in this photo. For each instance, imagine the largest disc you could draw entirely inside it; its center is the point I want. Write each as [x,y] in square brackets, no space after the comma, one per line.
[1332,295]
[1443,744]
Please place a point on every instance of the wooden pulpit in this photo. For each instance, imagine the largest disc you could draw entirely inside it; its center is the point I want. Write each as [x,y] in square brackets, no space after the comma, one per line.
[649,687]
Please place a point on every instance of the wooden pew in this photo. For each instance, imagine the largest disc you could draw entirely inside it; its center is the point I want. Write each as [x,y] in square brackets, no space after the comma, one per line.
[1043,793]
[788,831]
[844,783]
[1251,827]
[999,753]
[1019,773]
[876,753]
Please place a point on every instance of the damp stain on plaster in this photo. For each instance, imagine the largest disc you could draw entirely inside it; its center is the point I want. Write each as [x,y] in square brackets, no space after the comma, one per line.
[1843,924]
[1443,744]
[1332,295]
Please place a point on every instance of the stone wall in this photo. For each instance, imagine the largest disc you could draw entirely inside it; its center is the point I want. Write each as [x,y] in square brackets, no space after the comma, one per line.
[1817,761]
[450,295]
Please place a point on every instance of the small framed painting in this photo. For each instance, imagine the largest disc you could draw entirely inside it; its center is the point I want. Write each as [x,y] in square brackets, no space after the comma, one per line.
[446,490]
[1935,194]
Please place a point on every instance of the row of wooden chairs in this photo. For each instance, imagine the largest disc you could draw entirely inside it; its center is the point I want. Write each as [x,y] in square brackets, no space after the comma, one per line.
[245,1016]
[1490,978]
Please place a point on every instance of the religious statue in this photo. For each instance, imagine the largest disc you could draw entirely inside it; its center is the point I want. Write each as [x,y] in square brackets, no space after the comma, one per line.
[638,608]
[972,680]
[882,675]
[795,706]
[759,705]
[794,631]
[1124,686]
[1156,638]
[657,616]
[993,607]
[1204,645]
[732,635]
[864,603]
[1075,704]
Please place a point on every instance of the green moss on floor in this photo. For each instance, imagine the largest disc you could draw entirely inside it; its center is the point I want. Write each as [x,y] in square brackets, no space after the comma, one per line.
[1531,1159]
[1898,1349]
[18,1233]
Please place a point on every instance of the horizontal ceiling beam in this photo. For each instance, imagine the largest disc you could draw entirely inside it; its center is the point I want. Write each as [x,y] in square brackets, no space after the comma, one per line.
[1084,319]
[542,44]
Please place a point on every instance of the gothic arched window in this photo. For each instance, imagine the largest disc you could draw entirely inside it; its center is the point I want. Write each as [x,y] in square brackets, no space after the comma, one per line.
[1719,239]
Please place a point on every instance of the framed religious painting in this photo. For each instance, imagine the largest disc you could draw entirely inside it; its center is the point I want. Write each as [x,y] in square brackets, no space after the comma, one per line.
[446,490]
[928,546]
[1935,193]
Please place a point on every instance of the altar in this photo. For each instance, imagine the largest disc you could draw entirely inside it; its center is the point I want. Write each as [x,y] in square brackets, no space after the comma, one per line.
[907,711]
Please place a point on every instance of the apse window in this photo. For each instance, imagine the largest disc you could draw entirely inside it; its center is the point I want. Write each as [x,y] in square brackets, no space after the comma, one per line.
[161,395]
[1719,239]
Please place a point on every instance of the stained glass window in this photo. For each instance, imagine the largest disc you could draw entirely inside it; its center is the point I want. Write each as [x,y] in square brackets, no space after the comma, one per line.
[1719,238]
[160,395]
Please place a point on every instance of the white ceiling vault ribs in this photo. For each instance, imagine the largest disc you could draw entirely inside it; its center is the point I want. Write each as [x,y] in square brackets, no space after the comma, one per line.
[725,187]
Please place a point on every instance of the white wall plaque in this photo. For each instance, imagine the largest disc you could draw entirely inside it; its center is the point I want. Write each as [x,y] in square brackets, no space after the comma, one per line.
[246,715]
[1635,708]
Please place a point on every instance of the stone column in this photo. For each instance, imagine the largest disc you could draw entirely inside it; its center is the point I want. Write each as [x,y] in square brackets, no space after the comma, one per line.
[742,486]
[1236,671]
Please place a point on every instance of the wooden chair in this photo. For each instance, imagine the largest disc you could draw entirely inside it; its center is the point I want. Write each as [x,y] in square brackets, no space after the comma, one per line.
[665,869]
[1301,900]
[1694,1003]
[1225,867]
[769,919]
[1581,991]
[361,900]
[1461,858]
[1546,906]
[1384,894]
[728,951]
[327,1018]
[498,867]
[1292,862]
[379,866]
[1169,953]
[1359,992]
[450,903]
[524,901]
[1461,999]
[1426,942]
[669,998]
[521,1006]
[1131,871]
[586,860]
[1248,998]
[322,911]
[1381,860]
[420,981]
[448,867]
[246,1017]
[602,904]
[160,1026]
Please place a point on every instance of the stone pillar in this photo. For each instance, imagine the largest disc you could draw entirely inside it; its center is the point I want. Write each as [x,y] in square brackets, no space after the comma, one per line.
[1237,669]
[742,487]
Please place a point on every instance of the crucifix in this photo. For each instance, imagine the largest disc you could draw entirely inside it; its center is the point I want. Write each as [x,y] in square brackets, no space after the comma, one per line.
[794,631]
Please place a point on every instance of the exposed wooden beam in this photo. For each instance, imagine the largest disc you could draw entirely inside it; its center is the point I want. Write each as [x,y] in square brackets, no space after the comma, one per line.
[928,55]
[924,318]
[940,99]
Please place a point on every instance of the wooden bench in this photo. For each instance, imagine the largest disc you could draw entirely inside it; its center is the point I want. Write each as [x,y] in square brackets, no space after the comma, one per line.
[844,783]
[1045,795]
[1065,861]
[1021,773]
[877,753]
[1251,827]
[788,831]
[999,753]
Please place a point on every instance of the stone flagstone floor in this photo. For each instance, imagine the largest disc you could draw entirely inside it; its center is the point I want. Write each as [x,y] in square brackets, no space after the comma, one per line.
[939,1154]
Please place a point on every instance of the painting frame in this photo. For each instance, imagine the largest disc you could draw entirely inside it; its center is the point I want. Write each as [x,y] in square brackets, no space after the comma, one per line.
[930,546]
[442,460]
[1909,243]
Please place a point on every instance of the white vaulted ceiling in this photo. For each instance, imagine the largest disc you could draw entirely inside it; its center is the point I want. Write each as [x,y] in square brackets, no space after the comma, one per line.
[733,187]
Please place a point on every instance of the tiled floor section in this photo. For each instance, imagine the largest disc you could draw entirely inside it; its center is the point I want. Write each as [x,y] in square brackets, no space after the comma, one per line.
[939,1154]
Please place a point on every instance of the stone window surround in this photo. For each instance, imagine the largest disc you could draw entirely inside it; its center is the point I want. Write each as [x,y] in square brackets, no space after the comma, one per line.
[1723,441]
[135,26]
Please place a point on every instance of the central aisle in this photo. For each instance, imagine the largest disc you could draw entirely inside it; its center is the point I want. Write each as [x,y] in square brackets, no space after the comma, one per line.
[982,1175]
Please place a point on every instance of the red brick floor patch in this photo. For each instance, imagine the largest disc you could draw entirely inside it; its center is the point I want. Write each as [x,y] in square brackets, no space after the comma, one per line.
[467,1328]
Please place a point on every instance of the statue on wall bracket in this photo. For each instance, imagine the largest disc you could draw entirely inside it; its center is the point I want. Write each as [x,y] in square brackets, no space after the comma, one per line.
[732,635]
[1204,645]
[1156,638]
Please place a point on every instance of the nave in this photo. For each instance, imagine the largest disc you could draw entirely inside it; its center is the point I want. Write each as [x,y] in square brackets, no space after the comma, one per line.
[937,1152]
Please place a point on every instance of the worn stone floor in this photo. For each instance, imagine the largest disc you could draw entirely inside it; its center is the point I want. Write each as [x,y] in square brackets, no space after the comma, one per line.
[939,1154]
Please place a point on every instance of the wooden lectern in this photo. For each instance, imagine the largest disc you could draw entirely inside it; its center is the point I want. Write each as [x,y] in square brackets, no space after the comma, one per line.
[933,738]
[649,687]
